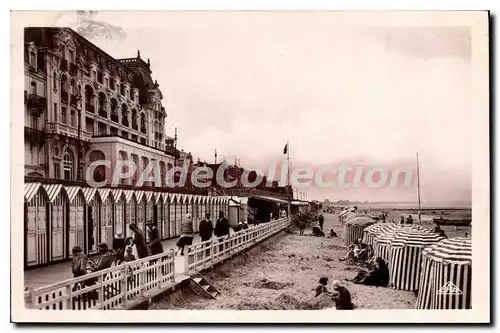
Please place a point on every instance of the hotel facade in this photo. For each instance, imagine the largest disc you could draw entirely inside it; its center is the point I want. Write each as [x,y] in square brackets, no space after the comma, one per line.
[81,105]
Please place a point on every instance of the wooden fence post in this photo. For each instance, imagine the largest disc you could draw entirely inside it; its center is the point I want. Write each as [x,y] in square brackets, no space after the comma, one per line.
[124,283]
[171,263]
[142,282]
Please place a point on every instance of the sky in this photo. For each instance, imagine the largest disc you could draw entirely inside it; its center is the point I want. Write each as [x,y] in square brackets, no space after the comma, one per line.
[338,90]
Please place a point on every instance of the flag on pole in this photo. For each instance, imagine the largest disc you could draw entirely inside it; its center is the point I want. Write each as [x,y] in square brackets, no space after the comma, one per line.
[285,149]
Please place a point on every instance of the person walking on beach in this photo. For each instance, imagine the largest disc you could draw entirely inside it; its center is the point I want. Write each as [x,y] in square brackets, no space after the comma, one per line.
[402,221]
[221,227]
[139,241]
[321,221]
[187,234]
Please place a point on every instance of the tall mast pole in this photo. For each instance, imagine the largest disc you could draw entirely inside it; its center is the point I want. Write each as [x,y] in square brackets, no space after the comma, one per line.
[288,178]
[418,191]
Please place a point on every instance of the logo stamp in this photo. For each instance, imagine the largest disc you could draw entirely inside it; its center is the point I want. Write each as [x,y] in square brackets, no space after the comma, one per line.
[449,289]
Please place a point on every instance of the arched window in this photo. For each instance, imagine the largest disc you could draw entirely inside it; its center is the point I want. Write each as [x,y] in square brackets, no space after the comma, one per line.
[32,58]
[68,165]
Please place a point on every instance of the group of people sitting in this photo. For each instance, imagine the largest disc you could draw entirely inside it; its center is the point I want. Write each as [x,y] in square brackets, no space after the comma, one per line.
[359,251]
[340,294]
[129,249]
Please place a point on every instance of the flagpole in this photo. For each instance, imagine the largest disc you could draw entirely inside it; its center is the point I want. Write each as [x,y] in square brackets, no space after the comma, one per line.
[288,178]
[418,191]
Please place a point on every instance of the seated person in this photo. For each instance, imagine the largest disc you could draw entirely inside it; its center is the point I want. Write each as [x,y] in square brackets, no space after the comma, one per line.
[332,233]
[318,232]
[341,297]
[377,276]
[357,251]
[79,262]
[321,288]
[238,227]
[129,254]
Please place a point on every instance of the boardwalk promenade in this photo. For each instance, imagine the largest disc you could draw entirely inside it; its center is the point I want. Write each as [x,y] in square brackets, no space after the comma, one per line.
[126,285]
[43,276]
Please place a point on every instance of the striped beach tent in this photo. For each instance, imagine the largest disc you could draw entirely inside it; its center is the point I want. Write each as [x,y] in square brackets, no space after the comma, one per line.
[347,215]
[353,228]
[375,230]
[405,262]
[445,280]
[382,242]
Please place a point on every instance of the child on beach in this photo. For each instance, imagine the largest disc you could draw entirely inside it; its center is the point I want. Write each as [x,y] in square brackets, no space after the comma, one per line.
[321,288]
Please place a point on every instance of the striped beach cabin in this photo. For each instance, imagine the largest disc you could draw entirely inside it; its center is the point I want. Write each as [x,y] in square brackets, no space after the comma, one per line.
[406,256]
[445,280]
[354,227]
[59,216]
[382,242]
[375,230]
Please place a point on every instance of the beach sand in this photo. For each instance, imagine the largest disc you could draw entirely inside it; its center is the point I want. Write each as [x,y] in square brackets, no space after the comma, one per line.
[281,273]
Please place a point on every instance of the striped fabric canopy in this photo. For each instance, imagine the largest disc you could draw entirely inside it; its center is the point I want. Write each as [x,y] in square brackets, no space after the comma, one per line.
[353,228]
[445,280]
[375,230]
[30,190]
[382,242]
[89,193]
[52,190]
[361,221]
[405,262]
[72,192]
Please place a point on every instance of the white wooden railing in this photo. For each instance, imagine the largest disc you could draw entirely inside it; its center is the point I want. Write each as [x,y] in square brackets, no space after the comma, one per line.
[114,287]
[108,289]
[206,254]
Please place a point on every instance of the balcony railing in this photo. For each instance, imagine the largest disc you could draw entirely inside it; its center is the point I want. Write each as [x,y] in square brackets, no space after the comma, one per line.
[103,113]
[36,104]
[34,136]
[64,96]
[70,131]
[89,107]
[64,65]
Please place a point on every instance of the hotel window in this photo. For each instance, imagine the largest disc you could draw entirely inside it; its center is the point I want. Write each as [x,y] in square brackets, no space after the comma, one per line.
[54,81]
[32,59]
[56,170]
[63,115]
[71,56]
[68,165]
[33,87]
[107,83]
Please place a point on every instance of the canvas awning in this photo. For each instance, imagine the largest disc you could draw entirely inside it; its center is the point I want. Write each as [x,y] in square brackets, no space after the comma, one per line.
[270,199]
[30,190]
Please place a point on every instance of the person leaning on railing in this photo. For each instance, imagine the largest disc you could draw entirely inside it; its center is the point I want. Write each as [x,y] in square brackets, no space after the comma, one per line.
[187,234]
